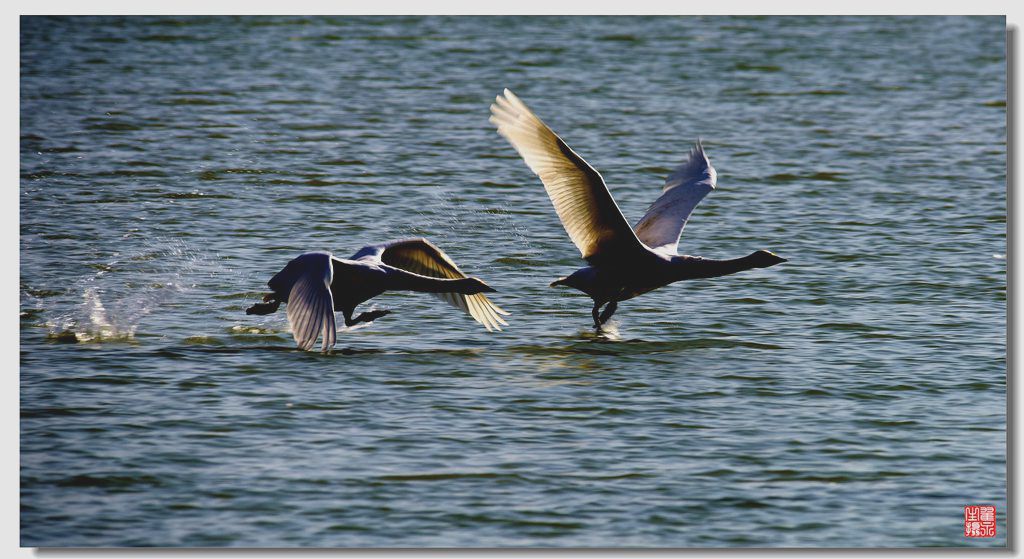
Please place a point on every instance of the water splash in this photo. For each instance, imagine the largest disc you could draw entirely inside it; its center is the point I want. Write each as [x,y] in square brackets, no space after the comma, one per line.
[110,304]
[99,324]
[609,331]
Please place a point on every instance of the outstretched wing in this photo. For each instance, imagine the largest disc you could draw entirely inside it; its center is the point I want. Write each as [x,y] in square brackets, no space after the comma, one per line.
[420,256]
[581,198]
[662,225]
[307,281]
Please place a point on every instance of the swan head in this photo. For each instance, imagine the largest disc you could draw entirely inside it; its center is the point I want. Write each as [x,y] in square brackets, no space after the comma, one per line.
[582,280]
[570,281]
[477,285]
[765,259]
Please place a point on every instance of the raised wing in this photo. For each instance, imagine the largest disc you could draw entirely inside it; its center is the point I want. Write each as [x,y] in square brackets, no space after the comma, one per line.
[662,225]
[310,303]
[420,256]
[581,198]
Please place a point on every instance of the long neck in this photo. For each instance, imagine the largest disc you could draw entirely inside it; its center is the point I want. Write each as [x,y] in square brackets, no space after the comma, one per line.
[465,286]
[399,279]
[694,268]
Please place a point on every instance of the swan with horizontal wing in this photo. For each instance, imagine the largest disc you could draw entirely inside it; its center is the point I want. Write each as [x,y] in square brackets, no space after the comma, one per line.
[315,285]
[624,261]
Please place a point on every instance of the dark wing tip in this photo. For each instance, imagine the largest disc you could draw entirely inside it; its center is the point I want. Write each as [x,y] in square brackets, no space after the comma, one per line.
[698,149]
[698,165]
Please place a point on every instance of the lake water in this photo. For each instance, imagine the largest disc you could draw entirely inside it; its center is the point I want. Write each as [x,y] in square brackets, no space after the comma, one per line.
[853,396]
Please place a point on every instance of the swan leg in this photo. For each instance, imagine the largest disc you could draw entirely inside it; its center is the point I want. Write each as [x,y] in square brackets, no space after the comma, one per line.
[363,317]
[609,311]
[594,313]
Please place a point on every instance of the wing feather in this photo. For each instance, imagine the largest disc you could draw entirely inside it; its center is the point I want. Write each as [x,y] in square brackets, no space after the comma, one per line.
[581,199]
[685,187]
[422,257]
[310,302]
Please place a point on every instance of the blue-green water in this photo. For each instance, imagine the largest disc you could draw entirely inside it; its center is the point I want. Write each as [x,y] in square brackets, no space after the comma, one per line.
[854,396]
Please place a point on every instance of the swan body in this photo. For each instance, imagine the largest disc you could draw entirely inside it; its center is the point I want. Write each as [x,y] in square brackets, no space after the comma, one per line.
[317,284]
[624,261]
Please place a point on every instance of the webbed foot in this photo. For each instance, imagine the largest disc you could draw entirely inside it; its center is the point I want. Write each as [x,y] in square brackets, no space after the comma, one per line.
[369,316]
[263,308]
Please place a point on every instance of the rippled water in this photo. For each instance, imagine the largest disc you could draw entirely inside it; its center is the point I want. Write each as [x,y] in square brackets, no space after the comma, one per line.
[854,396]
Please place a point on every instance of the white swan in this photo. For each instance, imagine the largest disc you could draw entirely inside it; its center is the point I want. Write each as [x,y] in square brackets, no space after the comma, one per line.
[315,285]
[624,261]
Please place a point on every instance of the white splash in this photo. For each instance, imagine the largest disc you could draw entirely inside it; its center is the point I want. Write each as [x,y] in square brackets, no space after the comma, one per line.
[125,289]
[610,331]
[100,326]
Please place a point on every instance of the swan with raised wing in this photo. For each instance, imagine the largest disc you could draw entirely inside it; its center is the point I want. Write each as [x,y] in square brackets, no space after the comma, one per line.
[317,284]
[624,261]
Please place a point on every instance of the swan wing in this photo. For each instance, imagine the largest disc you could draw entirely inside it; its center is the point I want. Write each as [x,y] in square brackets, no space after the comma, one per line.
[685,187]
[581,198]
[310,302]
[420,256]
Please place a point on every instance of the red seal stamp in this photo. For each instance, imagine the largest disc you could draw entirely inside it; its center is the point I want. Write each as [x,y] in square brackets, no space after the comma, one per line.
[979,521]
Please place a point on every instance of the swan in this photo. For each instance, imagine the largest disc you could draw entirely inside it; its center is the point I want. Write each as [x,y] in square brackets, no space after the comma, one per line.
[317,284]
[624,261]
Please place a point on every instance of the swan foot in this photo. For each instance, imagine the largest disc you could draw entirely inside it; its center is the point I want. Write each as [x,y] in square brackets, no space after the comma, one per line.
[365,317]
[264,308]
[372,315]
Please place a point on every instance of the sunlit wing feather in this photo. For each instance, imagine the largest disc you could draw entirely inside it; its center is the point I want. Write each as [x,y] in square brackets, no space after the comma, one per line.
[310,303]
[581,198]
[685,187]
[422,257]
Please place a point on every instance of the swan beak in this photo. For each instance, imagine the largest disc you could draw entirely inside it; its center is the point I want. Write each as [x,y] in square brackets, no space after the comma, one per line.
[778,259]
[557,282]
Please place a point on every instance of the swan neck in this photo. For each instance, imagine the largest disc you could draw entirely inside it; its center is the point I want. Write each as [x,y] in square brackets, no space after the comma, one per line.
[696,267]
